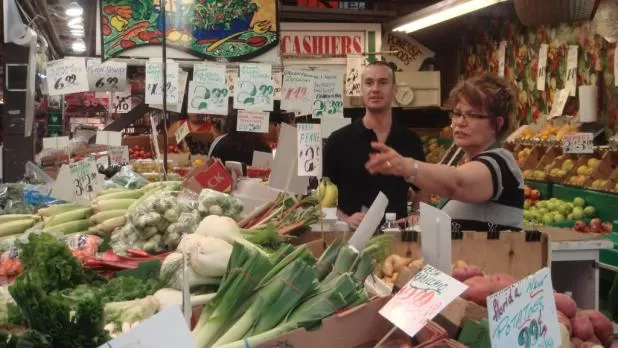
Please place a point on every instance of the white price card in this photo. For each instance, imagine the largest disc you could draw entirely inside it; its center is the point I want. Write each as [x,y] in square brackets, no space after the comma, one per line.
[501,58]
[78,182]
[207,73]
[328,95]
[67,76]
[252,121]
[578,143]
[208,98]
[121,102]
[254,88]
[353,72]
[309,140]
[297,91]
[118,155]
[231,74]
[560,100]
[57,143]
[183,76]
[109,138]
[166,329]
[154,83]
[278,83]
[182,132]
[421,299]
[571,72]
[542,67]
[524,314]
[107,76]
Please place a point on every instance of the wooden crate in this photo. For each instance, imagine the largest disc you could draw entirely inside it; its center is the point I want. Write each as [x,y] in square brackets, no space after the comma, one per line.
[605,172]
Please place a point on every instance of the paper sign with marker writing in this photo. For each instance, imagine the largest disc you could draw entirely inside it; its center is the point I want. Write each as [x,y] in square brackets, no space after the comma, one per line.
[309,149]
[421,299]
[501,58]
[278,83]
[108,76]
[154,83]
[297,91]
[183,76]
[283,175]
[182,132]
[254,88]
[542,67]
[121,102]
[231,74]
[524,314]
[436,231]
[354,69]
[118,155]
[57,143]
[328,95]
[211,98]
[78,182]
[209,73]
[560,100]
[262,159]
[109,138]
[164,330]
[571,72]
[67,76]
[252,121]
[578,143]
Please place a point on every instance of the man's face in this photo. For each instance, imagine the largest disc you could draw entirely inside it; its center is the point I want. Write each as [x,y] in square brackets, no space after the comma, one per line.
[378,88]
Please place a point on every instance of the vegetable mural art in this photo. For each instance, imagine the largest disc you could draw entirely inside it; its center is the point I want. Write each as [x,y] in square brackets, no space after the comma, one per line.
[233,30]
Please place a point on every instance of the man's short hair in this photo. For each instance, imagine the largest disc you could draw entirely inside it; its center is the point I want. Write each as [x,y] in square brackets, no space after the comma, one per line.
[384,64]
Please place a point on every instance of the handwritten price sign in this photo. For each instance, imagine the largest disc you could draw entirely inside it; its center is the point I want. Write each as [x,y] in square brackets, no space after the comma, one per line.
[421,299]
[578,143]
[309,140]
[78,182]
[118,155]
[252,121]
[297,91]
[154,83]
[208,99]
[328,95]
[121,102]
[524,314]
[254,88]
[66,76]
[571,72]
[108,76]
[182,132]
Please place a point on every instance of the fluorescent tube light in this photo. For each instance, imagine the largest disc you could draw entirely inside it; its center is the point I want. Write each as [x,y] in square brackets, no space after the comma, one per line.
[440,12]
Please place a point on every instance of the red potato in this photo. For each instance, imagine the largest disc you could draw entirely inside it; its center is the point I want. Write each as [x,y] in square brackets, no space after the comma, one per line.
[582,326]
[565,304]
[603,328]
[466,272]
[500,281]
[478,289]
[576,342]
[564,320]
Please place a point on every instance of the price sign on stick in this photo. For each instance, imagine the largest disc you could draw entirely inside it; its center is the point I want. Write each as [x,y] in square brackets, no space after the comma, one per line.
[67,76]
[78,182]
[154,83]
[182,132]
[57,143]
[118,155]
[571,72]
[524,314]
[309,140]
[578,143]
[108,76]
[421,299]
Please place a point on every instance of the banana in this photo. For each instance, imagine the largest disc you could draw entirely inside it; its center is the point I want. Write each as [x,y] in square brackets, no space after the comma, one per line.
[330,194]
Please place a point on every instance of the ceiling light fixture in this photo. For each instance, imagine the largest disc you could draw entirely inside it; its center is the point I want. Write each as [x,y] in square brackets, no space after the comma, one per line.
[439,12]
[77,32]
[74,10]
[79,46]
[76,21]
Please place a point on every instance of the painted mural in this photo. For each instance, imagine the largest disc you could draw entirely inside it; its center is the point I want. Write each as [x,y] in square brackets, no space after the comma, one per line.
[232,30]
[595,64]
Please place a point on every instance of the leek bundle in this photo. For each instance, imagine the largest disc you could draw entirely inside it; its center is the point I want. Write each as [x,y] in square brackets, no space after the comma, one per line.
[326,261]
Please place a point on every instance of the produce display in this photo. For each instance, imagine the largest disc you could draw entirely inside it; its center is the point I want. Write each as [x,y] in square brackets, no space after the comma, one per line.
[583,172]
[434,151]
[548,212]
[327,193]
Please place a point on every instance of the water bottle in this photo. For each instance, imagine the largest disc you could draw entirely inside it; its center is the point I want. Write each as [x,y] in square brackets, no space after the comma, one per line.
[390,224]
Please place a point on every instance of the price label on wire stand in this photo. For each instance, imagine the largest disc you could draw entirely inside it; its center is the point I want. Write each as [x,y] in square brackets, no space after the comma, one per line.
[309,140]
[182,132]
[78,182]
[108,76]
[118,155]
[67,76]
[578,143]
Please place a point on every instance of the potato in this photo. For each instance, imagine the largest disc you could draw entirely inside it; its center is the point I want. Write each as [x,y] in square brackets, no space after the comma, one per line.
[466,272]
[576,342]
[501,281]
[603,328]
[478,289]
[562,319]
[582,326]
[565,304]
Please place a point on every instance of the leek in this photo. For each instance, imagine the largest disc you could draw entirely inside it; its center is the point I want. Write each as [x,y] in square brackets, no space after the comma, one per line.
[273,302]
[300,253]
[346,259]
[325,262]
[364,267]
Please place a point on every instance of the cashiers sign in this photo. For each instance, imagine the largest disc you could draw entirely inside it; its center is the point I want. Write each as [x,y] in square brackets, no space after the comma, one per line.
[330,39]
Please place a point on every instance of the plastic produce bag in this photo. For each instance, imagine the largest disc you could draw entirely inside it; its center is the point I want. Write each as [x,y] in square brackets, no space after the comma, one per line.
[126,178]
[213,202]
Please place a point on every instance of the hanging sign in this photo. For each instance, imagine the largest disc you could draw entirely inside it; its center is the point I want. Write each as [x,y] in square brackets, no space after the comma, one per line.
[278,83]
[207,73]
[78,182]
[183,76]
[252,121]
[118,155]
[121,102]
[578,143]
[254,88]
[108,76]
[328,95]
[309,140]
[571,72]
[354,69]
[421,299]
[524,314]
[560,100]
[298,91]
[67,76]
[211,98]
[231,74]
[542,67]
[154,83]
[109,138]
[408,54]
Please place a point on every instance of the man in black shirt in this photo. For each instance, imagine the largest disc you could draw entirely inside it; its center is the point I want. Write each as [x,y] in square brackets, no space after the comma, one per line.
[347,150]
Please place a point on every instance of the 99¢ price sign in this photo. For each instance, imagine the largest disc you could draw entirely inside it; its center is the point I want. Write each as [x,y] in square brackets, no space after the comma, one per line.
[309,141]
[66,76]
[578,143]
[208,99]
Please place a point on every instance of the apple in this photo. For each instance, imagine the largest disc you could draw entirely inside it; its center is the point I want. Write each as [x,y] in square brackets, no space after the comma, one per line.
[579,202]
[593,163]
[607,227]
[527,214]
[564,210]
[578,213]
[548,219]
[527,204]
[590,211]
[580,226]
[559,217]
[551,206]
[541,204]
[595,226]
[570,217]
[567,165]
[527,191]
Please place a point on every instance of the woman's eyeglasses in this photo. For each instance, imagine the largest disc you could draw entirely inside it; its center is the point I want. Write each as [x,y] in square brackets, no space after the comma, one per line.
[456,115]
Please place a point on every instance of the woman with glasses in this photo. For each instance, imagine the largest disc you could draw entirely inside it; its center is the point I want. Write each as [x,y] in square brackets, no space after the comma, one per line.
[486,192]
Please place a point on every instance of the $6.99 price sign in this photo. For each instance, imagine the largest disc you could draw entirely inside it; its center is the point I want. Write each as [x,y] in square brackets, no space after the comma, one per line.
[309,140]
[67,76]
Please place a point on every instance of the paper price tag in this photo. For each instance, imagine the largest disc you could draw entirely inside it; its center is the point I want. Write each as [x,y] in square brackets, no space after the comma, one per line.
[154,83]
[252,121]
[524,314]
[501,58]
[182,132]
[254,88]
[109,138]
[209,98]
[297,91]
[78,182]
[121,102]
[67,76]
[354,69]
[559,102]
[57,143]
[309,140]
[571,72]
[118,155]
[183,76]
[209,73]
[108,76]
[328,95]
[421,299]
[231,74]
[578,143]
[278,83]
[542,67]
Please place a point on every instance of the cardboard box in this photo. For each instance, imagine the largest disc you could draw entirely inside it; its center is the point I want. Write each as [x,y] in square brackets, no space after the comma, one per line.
[213,176]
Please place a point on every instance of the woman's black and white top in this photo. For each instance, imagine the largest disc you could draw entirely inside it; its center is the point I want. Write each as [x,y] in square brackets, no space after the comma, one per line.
[504,210]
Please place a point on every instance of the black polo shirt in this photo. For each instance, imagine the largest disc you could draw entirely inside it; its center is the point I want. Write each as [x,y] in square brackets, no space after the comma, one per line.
[345,154]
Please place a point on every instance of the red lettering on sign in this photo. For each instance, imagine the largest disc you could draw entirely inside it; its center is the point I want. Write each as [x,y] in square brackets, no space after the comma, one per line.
[321,44]
[346,43]
[357,45]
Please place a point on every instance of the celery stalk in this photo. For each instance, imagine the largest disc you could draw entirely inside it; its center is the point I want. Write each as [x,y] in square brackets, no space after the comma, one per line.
[326,261]
[346,259]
